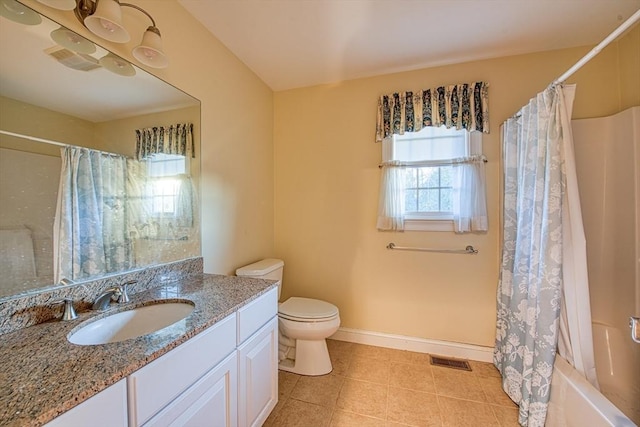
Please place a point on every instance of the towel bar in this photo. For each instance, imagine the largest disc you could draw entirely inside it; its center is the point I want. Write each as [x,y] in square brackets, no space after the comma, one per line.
[469,250]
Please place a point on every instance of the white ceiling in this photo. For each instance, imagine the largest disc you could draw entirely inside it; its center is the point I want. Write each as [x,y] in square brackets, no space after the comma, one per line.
[297,43]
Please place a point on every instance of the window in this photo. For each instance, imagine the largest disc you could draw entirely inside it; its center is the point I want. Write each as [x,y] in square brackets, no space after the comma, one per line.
[428,176]
[165,172]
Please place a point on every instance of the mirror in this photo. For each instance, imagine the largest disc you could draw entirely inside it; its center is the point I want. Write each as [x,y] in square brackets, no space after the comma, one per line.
[50,97]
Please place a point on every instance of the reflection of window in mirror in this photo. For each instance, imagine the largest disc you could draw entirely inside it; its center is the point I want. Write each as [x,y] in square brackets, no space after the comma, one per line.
[164,183]
[168,197]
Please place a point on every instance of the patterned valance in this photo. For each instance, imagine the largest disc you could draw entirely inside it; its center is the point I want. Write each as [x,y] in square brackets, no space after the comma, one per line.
[174,139]
[463,106]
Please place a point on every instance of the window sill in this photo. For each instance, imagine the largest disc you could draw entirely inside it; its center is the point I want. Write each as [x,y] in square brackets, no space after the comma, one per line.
[428,225]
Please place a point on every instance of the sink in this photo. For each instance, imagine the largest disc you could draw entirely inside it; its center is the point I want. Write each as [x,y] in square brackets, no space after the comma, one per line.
[131,323]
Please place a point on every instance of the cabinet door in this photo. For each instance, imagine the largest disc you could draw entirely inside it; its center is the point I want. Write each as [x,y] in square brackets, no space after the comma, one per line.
[106,409]
[258,375]
[157,384]
[210,402]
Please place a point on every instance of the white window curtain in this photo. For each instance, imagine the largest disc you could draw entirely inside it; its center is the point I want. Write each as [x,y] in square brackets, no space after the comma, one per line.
[469,192]
[469,197]
[391,201]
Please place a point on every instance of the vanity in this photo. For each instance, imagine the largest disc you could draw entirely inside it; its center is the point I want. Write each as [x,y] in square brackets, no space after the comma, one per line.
[217,366]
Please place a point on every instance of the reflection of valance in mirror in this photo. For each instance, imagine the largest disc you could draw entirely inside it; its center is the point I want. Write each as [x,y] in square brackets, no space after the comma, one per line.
[175,139]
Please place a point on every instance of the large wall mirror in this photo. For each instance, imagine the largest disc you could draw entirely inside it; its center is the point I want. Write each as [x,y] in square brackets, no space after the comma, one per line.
[63,98]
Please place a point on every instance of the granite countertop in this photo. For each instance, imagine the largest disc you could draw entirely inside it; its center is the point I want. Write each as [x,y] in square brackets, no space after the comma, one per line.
[43,375]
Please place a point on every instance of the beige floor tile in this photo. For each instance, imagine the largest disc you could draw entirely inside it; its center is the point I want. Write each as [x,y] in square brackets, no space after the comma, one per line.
[484,369]
[456,383]
[322,390]
[412,376]
[364,398]
[349,419]
[413,408]
[295,413]
[458,412]
[269,421]
[492,388]
[286,383]
[340,361]
[368,369]
[507,417]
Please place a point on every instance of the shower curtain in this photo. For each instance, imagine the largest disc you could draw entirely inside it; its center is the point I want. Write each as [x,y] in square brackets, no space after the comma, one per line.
[543,255]
[90,228]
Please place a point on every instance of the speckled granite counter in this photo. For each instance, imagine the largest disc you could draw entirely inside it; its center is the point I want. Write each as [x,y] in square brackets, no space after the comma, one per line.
[43,375]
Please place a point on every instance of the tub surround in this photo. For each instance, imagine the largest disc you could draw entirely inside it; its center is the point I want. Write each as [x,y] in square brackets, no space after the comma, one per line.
[44,375]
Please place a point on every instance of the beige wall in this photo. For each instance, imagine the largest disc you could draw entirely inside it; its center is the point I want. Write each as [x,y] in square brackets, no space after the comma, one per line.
[236,133]
[308,155]
[326,187]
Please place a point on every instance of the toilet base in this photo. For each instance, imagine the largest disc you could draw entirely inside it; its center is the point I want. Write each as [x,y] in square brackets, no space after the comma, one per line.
[312,359]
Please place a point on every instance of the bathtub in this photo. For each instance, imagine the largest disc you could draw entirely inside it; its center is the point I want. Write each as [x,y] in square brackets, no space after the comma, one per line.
[576,403]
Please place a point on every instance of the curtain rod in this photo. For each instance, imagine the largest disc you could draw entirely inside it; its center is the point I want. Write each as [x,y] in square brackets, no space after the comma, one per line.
[59,144]
[33,138]
[596,50]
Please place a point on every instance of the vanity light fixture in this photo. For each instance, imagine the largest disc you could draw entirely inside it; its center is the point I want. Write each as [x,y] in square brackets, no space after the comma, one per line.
[72,41]
[117,65]
[104,19]
[19,13]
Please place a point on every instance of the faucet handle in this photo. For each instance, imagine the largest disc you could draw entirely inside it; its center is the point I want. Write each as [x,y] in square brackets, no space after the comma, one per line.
[69,311]
[124,296]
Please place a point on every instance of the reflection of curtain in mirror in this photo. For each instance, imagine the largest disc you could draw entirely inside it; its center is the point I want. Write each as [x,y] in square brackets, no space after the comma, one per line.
[91,224]
[167,197]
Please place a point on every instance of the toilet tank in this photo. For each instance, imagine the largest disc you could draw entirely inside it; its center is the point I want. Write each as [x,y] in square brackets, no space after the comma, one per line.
[269,268]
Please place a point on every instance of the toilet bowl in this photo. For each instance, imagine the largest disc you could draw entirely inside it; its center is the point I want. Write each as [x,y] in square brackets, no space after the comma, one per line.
[303,323]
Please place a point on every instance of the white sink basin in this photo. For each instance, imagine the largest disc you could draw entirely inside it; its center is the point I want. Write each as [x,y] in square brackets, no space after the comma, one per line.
[131,323]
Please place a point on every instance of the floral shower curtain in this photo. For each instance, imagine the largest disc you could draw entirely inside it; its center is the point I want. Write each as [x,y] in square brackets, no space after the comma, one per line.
[90,227]
[537,144]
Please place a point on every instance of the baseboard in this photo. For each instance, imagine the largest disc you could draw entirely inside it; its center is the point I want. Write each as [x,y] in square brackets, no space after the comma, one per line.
[420,345]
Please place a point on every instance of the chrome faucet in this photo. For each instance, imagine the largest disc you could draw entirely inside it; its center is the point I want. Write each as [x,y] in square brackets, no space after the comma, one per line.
[117,293]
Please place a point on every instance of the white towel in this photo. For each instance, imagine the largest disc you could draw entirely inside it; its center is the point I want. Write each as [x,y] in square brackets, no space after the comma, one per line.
[17,260]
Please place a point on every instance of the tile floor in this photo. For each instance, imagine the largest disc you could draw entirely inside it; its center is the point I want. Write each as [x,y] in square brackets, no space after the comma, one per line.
[375,386]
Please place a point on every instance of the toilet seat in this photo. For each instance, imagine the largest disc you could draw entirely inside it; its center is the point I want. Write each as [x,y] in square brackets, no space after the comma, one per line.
[307,309]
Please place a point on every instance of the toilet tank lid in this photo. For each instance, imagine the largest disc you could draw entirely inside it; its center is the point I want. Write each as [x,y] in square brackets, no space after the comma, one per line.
[260,268]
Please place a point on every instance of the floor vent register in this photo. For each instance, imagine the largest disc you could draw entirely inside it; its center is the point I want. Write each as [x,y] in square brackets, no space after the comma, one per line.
[450,363]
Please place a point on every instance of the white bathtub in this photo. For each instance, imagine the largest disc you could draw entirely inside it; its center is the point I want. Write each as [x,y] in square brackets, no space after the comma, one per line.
[576,403]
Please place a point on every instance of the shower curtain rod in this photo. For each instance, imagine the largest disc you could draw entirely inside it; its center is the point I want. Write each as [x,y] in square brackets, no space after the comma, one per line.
[596,50]
[52,142]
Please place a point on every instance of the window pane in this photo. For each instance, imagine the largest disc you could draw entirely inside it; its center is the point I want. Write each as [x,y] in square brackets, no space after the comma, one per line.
[428,177]
[446,202]
[410,175]
[428,201]
[411,201]
[446,176]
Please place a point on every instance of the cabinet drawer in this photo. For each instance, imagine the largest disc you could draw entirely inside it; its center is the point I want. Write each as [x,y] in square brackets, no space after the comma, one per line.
[152,387]
[258,312]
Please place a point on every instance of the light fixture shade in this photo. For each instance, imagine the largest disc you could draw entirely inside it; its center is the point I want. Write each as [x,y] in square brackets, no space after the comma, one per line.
[72,41]
[149,52]
[19,13]
[117,65]
[60,4]
[106,22]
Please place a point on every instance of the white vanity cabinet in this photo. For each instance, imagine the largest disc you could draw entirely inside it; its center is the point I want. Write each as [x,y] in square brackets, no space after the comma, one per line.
[258,360]
[226,376]
[176,379]
[105,409]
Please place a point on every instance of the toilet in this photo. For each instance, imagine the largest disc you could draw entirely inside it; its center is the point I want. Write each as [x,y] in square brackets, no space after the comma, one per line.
[303,323]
